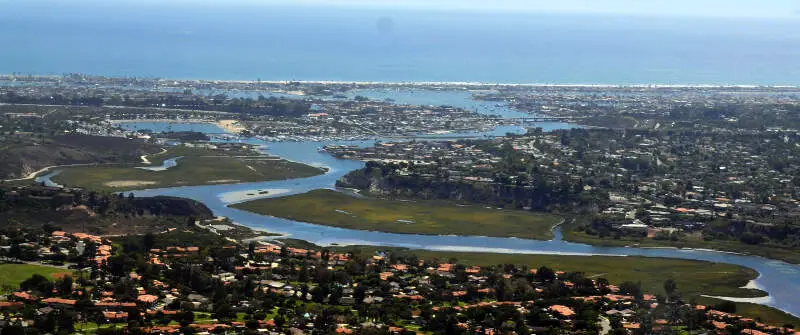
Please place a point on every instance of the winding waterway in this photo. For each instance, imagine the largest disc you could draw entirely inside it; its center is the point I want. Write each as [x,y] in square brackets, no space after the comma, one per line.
[780,279]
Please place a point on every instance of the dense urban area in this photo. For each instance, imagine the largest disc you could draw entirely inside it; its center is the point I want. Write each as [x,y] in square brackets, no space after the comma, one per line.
[688,167]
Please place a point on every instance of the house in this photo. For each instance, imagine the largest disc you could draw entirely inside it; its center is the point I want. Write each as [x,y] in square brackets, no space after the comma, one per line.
[562,310]
[115,316]
[147,299]
[60,302]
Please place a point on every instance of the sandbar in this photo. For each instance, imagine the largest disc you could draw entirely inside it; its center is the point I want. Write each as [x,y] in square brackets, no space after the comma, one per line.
[129,183]
[247,195]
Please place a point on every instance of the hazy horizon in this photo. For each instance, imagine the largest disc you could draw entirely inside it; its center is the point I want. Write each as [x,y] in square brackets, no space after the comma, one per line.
[277,40]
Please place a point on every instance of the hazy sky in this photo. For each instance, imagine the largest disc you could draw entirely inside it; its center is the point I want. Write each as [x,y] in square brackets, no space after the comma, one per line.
[713,8]
[772,9]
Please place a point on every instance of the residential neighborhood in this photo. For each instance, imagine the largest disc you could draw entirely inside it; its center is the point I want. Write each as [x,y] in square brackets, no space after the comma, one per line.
[698,186]
[138,284]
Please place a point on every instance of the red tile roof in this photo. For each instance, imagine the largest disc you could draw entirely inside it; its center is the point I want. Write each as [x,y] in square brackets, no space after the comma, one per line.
[115,315]
[754,332]
[25,296]
[59,301]
[147,298]
[563,310]
[631,326]
[11,304]
[719,325]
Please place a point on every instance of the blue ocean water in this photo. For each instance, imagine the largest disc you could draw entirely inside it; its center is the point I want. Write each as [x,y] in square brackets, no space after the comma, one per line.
[295,42]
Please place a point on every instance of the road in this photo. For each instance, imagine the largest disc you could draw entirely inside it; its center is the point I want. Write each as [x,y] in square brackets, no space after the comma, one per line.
[605,325]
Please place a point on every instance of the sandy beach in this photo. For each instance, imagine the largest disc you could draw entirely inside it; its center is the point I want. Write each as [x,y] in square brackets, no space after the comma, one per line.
[160,120]
[231,126]
[757,300]
[247,195]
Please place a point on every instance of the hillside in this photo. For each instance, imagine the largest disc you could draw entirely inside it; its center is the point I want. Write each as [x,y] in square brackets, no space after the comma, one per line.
[77,210]
[21,155]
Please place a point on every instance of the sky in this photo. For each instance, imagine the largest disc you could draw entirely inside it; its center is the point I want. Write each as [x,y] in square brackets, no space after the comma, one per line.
[759,9]
[777,9]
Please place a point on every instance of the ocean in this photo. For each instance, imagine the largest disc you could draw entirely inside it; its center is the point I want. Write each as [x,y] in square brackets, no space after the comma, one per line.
[295,42]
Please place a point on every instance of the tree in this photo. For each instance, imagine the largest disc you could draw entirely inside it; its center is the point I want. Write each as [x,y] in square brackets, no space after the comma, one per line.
[603,284]
[632,289]
[302,276]
[359,294]
[545,274]
[280,319]
[37,283]
[251,249]
[725,306]
[15,251]
[222,311]
[66,321]
[148,240]
[48,228]
[89,251]
[186,318]
[670,286]
[318,294]
[251,324]
[64,285]
[13,330]
[46,323]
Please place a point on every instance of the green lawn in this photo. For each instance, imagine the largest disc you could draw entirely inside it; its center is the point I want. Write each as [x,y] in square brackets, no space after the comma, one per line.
[93,327]
[332,208]
[202,317]
[11,275]
[197,167]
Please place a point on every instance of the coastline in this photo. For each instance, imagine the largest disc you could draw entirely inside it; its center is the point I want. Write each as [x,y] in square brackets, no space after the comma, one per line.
[758,300]
[9,77]
[162,121]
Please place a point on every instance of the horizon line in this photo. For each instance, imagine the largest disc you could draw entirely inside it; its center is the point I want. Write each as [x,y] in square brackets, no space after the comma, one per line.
[422,83]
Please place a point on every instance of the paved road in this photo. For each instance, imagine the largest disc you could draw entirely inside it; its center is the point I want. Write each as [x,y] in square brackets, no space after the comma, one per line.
[605,325]
[65,266]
